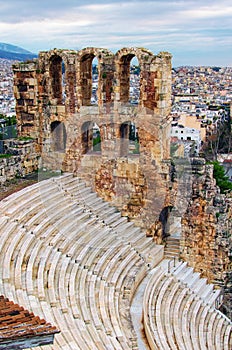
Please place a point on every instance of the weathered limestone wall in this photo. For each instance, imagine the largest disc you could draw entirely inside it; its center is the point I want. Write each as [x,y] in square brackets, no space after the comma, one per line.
[206,242]
[26,94]
[64,120]
[23,160]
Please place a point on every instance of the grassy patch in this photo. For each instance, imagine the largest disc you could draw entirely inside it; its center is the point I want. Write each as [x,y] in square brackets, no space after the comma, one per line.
[5,155]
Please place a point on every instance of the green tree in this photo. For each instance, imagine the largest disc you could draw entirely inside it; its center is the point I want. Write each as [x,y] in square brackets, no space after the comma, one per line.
[222,180]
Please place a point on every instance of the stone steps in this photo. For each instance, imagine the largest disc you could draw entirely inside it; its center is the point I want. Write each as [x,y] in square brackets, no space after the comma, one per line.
[177,317]
[172,247]
[74,264]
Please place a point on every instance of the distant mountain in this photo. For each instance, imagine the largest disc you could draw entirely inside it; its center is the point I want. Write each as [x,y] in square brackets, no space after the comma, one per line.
[12,52]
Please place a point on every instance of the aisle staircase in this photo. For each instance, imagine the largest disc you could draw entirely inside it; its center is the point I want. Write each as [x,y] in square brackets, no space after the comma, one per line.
[172,247]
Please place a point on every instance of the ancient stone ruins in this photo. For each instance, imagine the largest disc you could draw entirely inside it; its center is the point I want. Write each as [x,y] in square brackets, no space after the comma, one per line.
[91,235]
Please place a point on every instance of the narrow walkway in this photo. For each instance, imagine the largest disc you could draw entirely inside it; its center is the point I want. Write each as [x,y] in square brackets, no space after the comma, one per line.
[136,314]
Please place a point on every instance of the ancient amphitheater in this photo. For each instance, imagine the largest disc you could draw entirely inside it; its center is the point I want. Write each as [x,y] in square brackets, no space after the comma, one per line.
[84,250]
[72,259]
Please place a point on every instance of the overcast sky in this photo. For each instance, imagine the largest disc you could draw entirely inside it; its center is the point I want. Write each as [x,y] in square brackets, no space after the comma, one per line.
[195,32]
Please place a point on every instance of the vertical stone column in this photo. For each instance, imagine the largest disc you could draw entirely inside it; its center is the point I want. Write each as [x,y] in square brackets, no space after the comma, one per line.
[26,95]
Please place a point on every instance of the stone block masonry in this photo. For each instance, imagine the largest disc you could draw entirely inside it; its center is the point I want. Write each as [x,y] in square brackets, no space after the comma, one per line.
[20,160]
[206,242]
[119,148]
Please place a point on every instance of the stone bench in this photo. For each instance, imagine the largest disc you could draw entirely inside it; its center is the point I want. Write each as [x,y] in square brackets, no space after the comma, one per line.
[176,318]
[169,306]
[35,204]
[61,302]
[8,250]
[52,295]
[150,327]
[228,338]
[192,280]
[12,206]
[73,265]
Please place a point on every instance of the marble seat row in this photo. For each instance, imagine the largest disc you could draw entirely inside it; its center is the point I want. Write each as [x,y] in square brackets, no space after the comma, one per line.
[175,317]
[192,280]
[73,265]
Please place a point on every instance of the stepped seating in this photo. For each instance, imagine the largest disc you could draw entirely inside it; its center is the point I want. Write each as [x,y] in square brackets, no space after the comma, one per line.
[73,260]
[198,285]
[178,316]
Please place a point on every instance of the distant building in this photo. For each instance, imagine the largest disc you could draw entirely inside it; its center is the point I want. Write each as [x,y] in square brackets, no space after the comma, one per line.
[190,136]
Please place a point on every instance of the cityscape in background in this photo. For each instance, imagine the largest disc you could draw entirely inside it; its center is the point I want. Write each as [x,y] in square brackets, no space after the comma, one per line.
[201,98]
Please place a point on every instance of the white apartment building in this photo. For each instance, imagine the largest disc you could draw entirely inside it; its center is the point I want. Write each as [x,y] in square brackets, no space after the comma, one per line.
[187,135]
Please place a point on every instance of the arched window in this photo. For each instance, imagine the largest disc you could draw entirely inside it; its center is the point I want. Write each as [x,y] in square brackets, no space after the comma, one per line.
[129,76]
[134,93]
[129,139]
[94,96]
[89,79]
[86,137]
[96,138]
[57,73]
[58,136]
[90,137]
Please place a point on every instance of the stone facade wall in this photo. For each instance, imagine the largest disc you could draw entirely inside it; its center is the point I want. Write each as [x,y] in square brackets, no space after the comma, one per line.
[22,161]
[206,242]
[61,119]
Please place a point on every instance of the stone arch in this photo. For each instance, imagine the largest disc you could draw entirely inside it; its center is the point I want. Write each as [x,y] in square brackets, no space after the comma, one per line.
[123,59]
[95,82]
[105,75]
[96,138]
[86,78]
[58,136]
[86,136]
[56,71]
[61,77]
[90,137]
[171,222]
[129,139]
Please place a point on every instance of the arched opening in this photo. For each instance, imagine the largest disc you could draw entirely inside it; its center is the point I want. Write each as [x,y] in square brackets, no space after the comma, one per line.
[134,92]
[58,136]
[171,220]
[129,76]
[57,73]
[89,79]
[90,137]
[64,82]
[94,95]
[96,138]
[86,136]
[129,139]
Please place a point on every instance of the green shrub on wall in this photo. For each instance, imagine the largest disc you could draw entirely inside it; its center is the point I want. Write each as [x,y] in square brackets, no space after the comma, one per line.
[222,180]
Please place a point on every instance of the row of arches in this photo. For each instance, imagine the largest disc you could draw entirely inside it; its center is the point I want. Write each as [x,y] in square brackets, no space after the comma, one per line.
[91,140]
[93,74]
[90,75]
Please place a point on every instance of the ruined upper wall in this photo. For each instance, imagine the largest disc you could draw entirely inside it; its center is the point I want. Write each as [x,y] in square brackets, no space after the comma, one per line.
[54,107]
[41,84]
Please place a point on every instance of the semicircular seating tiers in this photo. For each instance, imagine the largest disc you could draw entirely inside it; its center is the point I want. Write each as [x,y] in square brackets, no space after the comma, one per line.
[73,260]
[179,312]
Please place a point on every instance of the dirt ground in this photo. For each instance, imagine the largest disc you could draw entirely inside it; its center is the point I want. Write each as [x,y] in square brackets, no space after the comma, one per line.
[14,186]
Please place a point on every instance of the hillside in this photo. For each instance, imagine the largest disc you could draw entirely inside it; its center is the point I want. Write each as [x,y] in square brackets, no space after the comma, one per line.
[12,52]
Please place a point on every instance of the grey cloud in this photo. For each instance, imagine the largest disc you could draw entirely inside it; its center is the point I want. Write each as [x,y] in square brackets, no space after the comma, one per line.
[20,10]
[158,25]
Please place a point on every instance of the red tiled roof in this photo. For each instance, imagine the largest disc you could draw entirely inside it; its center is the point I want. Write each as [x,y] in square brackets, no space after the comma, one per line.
[16,322]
